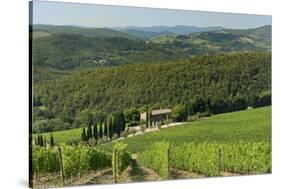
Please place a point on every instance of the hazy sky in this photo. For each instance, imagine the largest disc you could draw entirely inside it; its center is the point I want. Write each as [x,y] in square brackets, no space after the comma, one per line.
[111,16]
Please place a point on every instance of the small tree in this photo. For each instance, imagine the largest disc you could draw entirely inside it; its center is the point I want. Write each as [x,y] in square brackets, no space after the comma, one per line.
[100,131]
[35,141]
[110,128]
[45,142]
[122,122]
[105,129]
[150,119]
[83,135]
[52,140]
[41,140]
[89,132]
[147,119]
[95,133]
[179,113]
[132,116]
[38,139]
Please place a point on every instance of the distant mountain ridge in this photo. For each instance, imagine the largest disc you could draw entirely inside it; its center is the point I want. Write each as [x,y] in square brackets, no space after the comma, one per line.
[178,29]
[136,32]
[89,32]
[153,31]
[231,39]
[130,32]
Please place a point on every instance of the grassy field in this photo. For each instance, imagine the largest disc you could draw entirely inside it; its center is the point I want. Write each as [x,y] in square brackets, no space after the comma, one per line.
[253,125]
[64,136]
[38,34]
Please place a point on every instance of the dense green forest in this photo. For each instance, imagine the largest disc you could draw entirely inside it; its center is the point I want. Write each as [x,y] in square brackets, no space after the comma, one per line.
[204,84]
[68,52]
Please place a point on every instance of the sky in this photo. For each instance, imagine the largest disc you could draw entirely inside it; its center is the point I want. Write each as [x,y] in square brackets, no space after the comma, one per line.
[89,15]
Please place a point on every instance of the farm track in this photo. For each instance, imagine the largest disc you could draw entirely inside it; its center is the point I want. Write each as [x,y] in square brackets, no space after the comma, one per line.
[137,172]
[181,174]
[134,173]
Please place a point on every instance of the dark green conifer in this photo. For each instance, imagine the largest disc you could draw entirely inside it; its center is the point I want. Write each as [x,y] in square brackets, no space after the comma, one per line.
[52,140]
[83,135]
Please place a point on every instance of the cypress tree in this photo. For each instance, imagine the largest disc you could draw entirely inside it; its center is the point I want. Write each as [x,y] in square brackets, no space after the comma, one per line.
[100,131]
[146,120]
[110,127]
[41,140]
[105,129]
[35,141]
[117,123]
[95,132]
[122,121]
[45,142]
[51,140]
[150,119]
[83,135]
[89,132]
[38,139]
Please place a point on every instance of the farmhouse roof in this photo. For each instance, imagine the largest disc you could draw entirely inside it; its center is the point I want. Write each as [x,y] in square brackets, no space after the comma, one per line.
[161,111]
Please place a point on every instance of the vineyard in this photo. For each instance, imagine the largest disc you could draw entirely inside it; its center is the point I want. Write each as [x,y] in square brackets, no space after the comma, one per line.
[71,163]
[228,144]
[157,158]
[208,159]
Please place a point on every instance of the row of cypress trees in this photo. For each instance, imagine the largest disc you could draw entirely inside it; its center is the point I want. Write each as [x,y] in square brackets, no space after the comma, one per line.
[42,141]
[114,124]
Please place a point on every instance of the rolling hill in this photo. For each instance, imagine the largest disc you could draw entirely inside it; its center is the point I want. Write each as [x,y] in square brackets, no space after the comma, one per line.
[176,30]
[215,84]
[145,34]
[67,48]
[222,39]
[90,32]
[248,125]
[262,34]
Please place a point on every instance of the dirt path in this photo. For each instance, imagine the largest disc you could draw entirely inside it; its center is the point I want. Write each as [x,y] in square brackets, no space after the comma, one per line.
[181,174]
[228,174]
[103,176]
[137,172]
[134,173]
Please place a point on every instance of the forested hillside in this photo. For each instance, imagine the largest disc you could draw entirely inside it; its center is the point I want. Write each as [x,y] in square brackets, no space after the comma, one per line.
[211,84]
[68,50]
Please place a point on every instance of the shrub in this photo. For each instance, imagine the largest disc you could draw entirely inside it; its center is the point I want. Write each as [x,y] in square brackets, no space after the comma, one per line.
[204,114]
[159,125]
[92,142]
[179,113]
[115,136]
[142,128]
[167,122]
[124,134]
[73,142]
[132,131]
